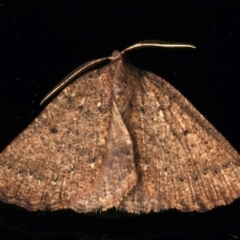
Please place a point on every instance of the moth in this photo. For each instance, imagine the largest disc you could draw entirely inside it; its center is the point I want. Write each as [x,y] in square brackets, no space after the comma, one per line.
[119,137]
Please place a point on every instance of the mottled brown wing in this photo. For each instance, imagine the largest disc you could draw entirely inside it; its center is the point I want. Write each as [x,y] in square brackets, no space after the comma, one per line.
[118,175]
[182,161]
[59,156]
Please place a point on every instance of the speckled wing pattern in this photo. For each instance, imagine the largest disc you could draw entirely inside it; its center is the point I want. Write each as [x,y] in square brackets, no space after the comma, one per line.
[183,162]
[119,137]
[77,154]
[60,155]
[118,173]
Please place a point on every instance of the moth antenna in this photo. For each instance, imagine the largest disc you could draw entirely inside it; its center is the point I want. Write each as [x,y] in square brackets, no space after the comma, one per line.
[72,75]
[90,64]
[158,43]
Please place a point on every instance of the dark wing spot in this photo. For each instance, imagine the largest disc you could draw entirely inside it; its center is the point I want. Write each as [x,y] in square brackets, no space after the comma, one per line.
[186,132]
[142,109]
[80,107]
[194,177]
[181,178]
[53,130]
[93,159]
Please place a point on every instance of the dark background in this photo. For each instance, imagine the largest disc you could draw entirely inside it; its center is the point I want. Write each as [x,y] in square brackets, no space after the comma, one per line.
[42,41]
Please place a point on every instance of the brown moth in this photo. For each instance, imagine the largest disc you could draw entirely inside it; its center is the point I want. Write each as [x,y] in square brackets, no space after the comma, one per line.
[119,137]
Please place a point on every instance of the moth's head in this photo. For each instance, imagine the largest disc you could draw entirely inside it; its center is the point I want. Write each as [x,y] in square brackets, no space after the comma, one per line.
[116,55]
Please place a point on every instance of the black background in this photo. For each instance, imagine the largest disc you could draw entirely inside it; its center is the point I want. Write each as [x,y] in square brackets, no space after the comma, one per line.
[42,41]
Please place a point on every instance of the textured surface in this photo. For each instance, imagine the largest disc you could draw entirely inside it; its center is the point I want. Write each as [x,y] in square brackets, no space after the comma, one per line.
[122,137]
[183,162]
